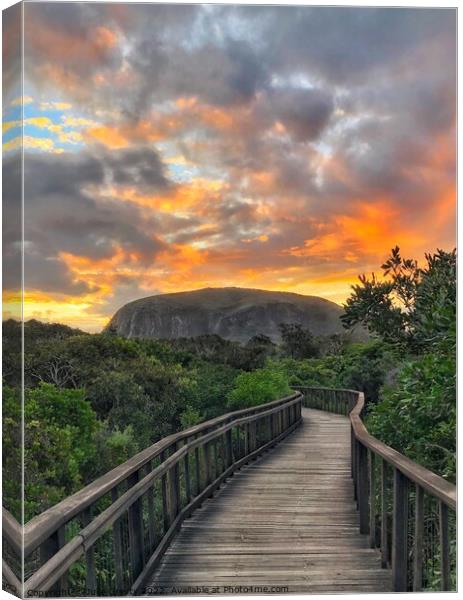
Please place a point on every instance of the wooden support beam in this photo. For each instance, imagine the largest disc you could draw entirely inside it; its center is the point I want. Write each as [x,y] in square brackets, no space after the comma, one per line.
[363,488]
[444,547]
[418,557]
[117,548]
[399,532]
[384,517]
[372,494]
[136,531]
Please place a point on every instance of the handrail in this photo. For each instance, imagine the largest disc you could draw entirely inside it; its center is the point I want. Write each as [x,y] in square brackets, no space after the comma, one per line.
[13,585]
[434,484]
[12,531]
[42,526]
[221,445]
[390,524]
[12,553]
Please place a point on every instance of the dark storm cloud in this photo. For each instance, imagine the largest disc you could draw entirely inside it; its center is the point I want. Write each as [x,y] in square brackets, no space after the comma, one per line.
[65,216]
[12,218]
[140,167]
[11,53]
[344,45]
[305,112]
[222,75]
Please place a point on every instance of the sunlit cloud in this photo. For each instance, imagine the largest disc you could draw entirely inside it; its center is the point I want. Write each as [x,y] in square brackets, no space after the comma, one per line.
[178,147]
[51,105]
[21,101]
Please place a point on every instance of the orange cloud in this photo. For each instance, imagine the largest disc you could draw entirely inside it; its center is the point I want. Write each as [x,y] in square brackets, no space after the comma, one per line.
[123,135]
[370,230]
[64,47]
[111,137]
[196,195]
[187,114]
[105,38]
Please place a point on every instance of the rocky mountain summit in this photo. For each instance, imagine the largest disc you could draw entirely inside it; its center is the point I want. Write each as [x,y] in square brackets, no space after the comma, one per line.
[233,313]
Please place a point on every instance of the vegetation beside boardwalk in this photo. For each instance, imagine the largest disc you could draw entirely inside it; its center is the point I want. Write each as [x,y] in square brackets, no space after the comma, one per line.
[92,401]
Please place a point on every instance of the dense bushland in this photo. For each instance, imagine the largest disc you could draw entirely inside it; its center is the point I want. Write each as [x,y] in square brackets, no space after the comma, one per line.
[414,310]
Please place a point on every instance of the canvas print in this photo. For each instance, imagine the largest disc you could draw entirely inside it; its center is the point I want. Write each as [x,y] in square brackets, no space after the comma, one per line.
[229,299]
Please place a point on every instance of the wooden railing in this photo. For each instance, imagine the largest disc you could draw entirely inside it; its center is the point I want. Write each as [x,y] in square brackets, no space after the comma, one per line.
[11,554]
[108,537]
[408,512]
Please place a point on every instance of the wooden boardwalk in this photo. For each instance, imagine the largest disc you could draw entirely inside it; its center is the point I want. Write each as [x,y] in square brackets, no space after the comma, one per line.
[285,523]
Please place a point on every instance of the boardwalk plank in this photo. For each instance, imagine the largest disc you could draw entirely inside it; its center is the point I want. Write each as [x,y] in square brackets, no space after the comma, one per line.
[286,520]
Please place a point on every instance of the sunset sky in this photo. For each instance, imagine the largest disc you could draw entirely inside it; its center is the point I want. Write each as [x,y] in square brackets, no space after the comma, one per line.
[171,148]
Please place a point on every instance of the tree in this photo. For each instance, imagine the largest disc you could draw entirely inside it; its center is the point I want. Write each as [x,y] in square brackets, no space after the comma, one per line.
[411,305]
[59,445]
[297,342]
[417,415]
[414,311]
[258,387]
[365,367]
[260,347]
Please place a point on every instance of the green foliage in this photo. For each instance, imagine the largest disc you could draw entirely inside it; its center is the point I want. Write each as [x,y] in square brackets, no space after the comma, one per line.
[365,367]
[113,447]
[59,428]
[211,386]
[361,366]
[418,415]
[411,306]
[434,317]
[11,450]
[258,387]
[214,349]
[310,372]
[190,417]
[297,342]
[333,345]
[415,312]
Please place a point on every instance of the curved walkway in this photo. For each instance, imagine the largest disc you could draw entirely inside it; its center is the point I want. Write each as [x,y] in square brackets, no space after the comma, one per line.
[286,523]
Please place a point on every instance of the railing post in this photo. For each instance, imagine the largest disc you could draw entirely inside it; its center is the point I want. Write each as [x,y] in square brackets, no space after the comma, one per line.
[164,494]
[356,470]
[246,439]
[136,531]
[216,459]
[352,448]
[186,469]
[363,490]
[372,494]
[399,532]
[173,482]
[229,446]
[253,436]
[207,465]
[197,471]
[384,517]
[418,539]
[90,573]
[444,546]
[48,549]
[117,545]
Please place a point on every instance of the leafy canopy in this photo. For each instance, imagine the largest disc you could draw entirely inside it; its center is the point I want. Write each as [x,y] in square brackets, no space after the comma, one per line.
[410,306]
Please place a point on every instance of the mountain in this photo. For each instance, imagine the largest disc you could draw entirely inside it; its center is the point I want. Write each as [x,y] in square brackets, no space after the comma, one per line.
[233,313]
